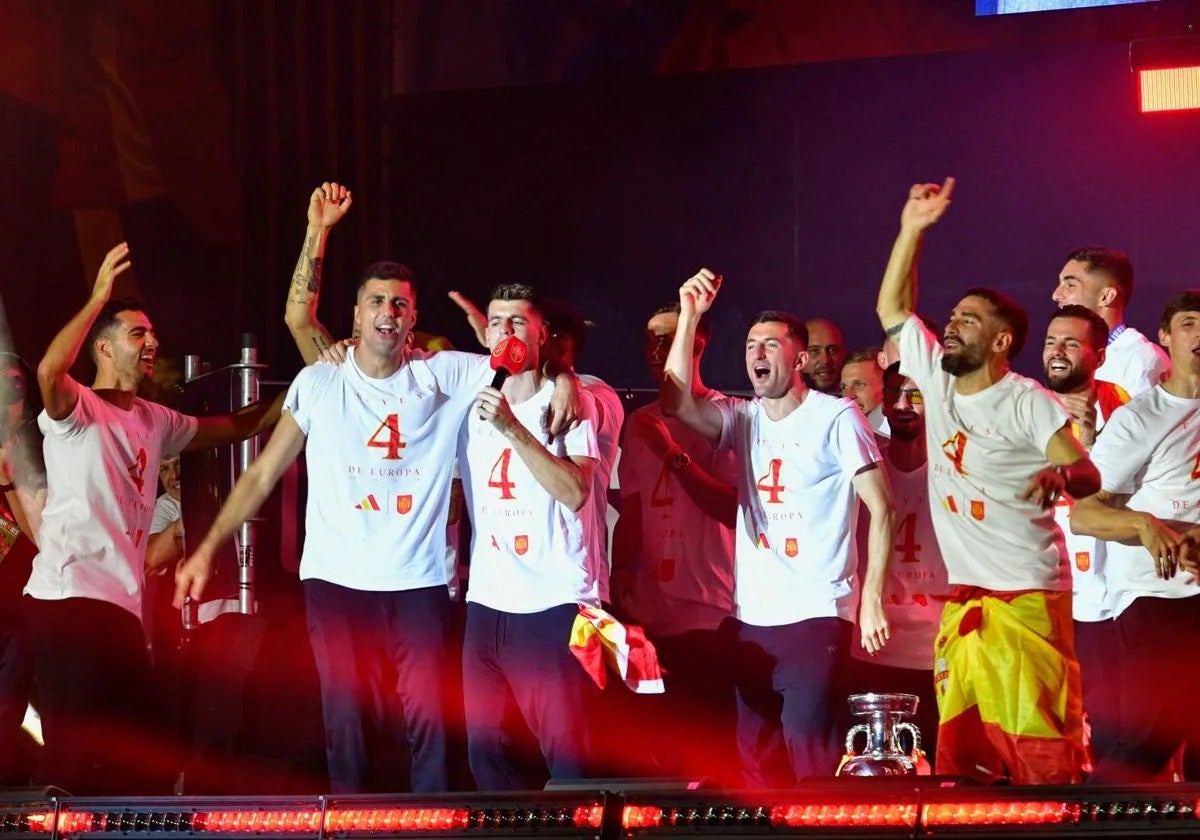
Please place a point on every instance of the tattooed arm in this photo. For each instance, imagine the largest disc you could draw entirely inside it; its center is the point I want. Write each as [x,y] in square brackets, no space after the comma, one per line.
[326,206]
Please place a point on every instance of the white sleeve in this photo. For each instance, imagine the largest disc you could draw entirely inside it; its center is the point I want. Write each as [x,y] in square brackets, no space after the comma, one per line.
[1042,415]
[178,431]
[1122,451]
[729,415]
[165,512]
[920,352]
[853,441]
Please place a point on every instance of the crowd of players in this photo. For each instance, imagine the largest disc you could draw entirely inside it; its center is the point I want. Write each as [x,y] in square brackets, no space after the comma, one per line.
[914,518]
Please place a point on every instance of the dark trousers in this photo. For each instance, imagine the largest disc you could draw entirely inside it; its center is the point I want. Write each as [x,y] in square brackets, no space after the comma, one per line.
[15,675]
[520,678]
[790,692]
[1157,691]
[1098,647]
[868,677]
[100,719]
[382,659]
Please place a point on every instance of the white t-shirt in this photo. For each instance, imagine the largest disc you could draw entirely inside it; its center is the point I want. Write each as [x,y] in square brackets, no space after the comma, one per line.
[1089,601]
[102,476]
[682,578]
[380,456]
[1150,451]
[794,549]
[610,415]
[916,583]
[983,449]
[166,510]
[530,552]
[1133,362]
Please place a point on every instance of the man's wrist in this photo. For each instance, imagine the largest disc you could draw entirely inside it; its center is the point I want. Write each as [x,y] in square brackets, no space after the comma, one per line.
[676,459]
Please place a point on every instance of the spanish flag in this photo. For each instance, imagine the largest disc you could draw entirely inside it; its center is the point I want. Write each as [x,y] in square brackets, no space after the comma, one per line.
[598,639]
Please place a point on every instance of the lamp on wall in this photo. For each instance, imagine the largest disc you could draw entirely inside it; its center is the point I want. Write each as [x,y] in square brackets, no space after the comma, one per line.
[1168,73]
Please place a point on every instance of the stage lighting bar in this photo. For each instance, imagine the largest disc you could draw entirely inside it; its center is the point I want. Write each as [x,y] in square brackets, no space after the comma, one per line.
[548,815]
[1168,73]
[880,809]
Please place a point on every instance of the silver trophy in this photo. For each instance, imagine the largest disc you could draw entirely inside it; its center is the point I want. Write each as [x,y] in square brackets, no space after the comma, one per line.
[883,754]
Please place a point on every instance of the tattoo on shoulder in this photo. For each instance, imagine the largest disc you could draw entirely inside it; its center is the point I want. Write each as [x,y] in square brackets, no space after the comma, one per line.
[894,330]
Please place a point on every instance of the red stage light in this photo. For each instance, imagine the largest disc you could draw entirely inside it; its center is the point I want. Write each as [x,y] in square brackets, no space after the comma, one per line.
[641,816]
[588,816]
[397,819]
[999,812]
[857,814]
[1169,89]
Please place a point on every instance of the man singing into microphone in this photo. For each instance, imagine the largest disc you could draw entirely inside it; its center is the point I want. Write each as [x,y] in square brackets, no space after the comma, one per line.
[537,554]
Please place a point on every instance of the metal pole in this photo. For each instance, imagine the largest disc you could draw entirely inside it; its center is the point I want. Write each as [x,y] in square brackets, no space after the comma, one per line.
[248,376]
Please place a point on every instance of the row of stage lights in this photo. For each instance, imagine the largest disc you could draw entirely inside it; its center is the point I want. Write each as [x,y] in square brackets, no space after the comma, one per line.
[883,810]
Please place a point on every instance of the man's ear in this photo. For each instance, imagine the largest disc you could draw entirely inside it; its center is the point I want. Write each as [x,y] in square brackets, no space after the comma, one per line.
[1108,296]
[1003,341]
[801,360]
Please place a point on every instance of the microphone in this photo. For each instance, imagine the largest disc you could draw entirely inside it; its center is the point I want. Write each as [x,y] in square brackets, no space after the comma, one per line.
[508,357]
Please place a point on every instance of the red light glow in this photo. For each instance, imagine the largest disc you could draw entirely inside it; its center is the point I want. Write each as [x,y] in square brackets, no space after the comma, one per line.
[892,814]
[240,821]
[1171,89]
[641,816]
[1000,813]
[588,816]
[397,819]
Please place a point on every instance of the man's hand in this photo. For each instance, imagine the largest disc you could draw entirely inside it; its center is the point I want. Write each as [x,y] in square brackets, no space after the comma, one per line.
[873,625]
[114,265]
[1189,556]
[476,319]
[652,431]
[1045,487]
[338,352]
[926,204]
[191,576]
[494,408]
[327,204]
[1168,547]
[566,405]
[1082,408]
[696,296]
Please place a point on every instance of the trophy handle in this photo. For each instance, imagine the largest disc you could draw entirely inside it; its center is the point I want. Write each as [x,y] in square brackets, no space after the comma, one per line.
[911,729]
[852,733]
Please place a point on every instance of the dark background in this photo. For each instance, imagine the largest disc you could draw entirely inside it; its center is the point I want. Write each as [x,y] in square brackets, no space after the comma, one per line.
[601,149]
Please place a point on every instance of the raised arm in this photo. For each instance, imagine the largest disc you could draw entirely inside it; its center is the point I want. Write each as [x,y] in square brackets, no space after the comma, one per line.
[59,389]
[696,296]
[326,206]
[718,499]
[246,497]
[898,291]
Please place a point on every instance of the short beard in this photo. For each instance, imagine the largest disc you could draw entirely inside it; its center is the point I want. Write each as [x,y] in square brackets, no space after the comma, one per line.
[1073,381]
[966,360]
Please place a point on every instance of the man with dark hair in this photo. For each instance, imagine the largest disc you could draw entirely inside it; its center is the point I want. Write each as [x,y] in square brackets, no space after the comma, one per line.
[826,354]
[1101,279]
[536,557]
[1007,678]
[804,461]
[381,431]
[673,569]
[862,381]
[916,582]
[1074,350]
[102,449]
[1148,513]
